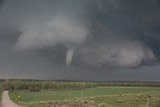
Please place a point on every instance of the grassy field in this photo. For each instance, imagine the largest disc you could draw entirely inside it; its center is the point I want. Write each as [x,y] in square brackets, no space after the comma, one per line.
[112,96]
[127,100]
[0,89]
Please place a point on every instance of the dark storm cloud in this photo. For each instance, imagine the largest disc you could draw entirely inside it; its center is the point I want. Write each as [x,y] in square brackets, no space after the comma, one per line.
[77,35]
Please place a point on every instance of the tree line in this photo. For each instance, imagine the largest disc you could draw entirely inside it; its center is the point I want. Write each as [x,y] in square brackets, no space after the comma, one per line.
[35,85]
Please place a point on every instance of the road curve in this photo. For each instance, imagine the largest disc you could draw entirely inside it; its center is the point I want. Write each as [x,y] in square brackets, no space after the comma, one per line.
[6,101]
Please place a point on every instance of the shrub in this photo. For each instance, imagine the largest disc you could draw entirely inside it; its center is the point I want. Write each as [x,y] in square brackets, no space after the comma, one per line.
[102,104]
[92,102]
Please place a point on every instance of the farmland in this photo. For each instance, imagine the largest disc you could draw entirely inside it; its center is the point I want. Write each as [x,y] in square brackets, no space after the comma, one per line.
[38,93]
[98,96]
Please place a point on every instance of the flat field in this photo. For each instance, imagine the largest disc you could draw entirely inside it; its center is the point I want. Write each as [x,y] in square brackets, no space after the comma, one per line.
[99,96]
[0,89]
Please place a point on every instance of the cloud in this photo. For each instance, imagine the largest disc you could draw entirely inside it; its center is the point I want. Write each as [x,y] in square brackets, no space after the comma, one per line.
[60,30]
[101,33]
[117,54]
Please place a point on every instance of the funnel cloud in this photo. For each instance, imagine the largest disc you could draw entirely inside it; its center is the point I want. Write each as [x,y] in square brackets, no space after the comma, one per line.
[69,56]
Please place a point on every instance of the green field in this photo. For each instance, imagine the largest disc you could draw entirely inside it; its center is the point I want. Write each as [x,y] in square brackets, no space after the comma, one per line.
[112,96]
[127,100]
[0,89]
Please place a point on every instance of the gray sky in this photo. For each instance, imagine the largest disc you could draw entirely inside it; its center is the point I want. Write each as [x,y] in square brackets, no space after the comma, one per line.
[80,39]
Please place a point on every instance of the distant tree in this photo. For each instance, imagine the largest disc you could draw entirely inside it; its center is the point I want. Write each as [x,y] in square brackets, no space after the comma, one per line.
[6,85]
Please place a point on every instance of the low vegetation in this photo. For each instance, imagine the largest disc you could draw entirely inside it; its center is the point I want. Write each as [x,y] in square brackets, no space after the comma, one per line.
[99,96]
[1,88]
[128,100]
[36,93]
[35,85]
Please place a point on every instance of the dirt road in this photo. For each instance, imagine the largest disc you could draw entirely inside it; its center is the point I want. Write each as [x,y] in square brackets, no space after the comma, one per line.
[6,101]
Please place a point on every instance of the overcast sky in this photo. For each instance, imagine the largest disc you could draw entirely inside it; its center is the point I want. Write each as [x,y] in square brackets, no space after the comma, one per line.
[80,39]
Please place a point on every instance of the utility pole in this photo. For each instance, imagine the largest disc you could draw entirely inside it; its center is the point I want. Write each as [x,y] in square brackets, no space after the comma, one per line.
[81,95]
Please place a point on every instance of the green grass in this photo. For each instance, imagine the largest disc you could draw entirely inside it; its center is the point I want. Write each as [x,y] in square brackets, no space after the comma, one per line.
[0,89]
[128,100]
[97,95]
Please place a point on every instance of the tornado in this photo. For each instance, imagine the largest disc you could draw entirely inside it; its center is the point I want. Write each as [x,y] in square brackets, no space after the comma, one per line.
[69,56]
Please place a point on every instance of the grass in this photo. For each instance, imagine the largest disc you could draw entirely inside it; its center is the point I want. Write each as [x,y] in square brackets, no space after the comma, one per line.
[121,96]
[0,89]
[128,100]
